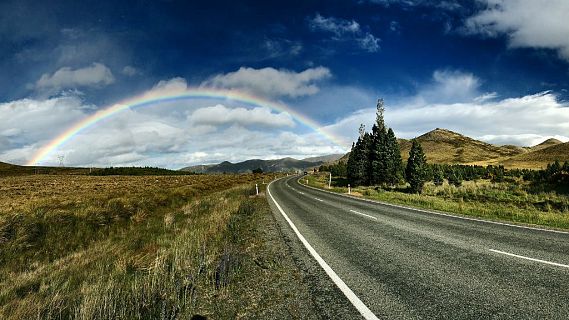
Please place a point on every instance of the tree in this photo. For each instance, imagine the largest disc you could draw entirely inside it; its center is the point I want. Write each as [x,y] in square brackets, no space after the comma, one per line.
[416,167]
[455,178]
[258,170]
[358,159]
[438,176]
[377,171]
[393,162]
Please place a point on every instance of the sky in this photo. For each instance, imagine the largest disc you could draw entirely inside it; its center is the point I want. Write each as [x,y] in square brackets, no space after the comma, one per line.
[494,70]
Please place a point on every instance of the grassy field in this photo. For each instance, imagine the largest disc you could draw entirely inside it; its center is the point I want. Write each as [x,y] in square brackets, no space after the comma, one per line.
[150,247]
[504,201]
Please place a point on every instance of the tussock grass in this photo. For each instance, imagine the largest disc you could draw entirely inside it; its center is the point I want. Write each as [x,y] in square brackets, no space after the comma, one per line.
[507,201]
[128,247]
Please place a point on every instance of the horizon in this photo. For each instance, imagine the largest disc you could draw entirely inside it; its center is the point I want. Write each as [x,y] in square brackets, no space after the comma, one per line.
[309,75]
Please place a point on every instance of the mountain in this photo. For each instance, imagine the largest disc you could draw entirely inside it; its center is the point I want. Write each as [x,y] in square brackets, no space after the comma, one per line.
[539,157]
[328,158]
[545,144]
[285,164]
[445,146]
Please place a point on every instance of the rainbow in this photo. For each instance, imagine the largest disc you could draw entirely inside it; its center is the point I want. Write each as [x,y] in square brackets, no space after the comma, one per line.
[164,97]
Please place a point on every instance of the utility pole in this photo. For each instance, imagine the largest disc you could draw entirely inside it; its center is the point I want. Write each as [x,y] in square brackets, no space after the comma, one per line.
[60,158]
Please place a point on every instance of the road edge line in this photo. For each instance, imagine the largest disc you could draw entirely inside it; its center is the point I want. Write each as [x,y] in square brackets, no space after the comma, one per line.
[356,302]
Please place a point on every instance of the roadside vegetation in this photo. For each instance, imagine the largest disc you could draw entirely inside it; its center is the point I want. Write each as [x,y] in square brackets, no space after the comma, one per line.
[374,170]
[142,247]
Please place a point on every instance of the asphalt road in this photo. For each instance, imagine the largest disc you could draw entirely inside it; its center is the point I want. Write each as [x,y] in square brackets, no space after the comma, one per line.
[408,264]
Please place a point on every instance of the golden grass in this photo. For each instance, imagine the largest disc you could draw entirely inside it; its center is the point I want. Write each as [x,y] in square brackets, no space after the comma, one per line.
[124,247]
[482,198]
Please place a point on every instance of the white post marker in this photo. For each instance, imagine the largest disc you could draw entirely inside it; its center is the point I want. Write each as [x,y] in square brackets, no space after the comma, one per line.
[257,188]
[330,181]
[349,189]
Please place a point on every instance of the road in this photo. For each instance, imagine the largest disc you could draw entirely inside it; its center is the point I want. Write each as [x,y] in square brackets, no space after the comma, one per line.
[401,263]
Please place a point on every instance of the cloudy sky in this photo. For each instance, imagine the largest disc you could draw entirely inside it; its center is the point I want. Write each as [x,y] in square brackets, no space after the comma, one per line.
[496,70]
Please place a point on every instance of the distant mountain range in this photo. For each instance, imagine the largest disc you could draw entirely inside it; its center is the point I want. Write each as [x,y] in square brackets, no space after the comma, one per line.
[440,146]
[284,164]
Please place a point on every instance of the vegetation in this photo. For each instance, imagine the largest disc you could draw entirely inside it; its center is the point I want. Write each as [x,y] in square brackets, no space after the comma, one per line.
[150,247]
[137,171]
[415,173]
[517,201]
[492,191]
[375,158]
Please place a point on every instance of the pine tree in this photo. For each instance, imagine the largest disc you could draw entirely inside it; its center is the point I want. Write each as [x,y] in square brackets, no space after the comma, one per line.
[393,163]
[438,176]
[416,166]
[378,153]
[358,159]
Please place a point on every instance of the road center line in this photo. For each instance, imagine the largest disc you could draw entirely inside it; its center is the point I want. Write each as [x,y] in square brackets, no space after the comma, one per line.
[531,259]
[319,199]
[356,302]
[363,214]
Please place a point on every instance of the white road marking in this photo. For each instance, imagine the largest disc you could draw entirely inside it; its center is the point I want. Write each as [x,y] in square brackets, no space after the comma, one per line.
[438,213]
[363,214]
[360,306]
[531,259]
[319,199]
[300,192]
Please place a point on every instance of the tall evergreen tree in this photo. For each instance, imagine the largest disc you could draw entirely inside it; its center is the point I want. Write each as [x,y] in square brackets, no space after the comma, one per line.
[378,150]
[416,167]
[358,159]
[393,163]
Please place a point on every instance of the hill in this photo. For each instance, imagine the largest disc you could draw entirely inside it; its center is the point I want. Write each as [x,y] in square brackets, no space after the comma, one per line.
[540,157]
[546,144]
[7,169]
[284,164]
[445,146]
[328,158]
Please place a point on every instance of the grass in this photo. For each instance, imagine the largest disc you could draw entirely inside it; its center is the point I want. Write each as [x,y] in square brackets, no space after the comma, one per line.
[141,247]
[507,201]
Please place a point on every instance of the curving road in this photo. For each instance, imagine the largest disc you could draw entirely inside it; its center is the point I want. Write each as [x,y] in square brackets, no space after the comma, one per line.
[401,263]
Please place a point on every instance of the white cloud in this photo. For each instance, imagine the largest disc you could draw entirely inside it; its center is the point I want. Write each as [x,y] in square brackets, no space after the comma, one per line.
[95,75]
[27,123]
[339,27]
[345,30]
[130,71]
[170,134]
[169,86]
[449,86]
[270,82]
[220,114]
[521,121]
[526,23]
[486,96]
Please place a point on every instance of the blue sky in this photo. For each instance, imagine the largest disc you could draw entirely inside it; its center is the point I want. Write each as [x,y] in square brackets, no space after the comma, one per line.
[496,70]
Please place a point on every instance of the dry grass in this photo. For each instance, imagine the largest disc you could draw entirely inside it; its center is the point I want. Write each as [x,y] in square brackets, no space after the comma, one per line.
[496,201]
[134,247]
